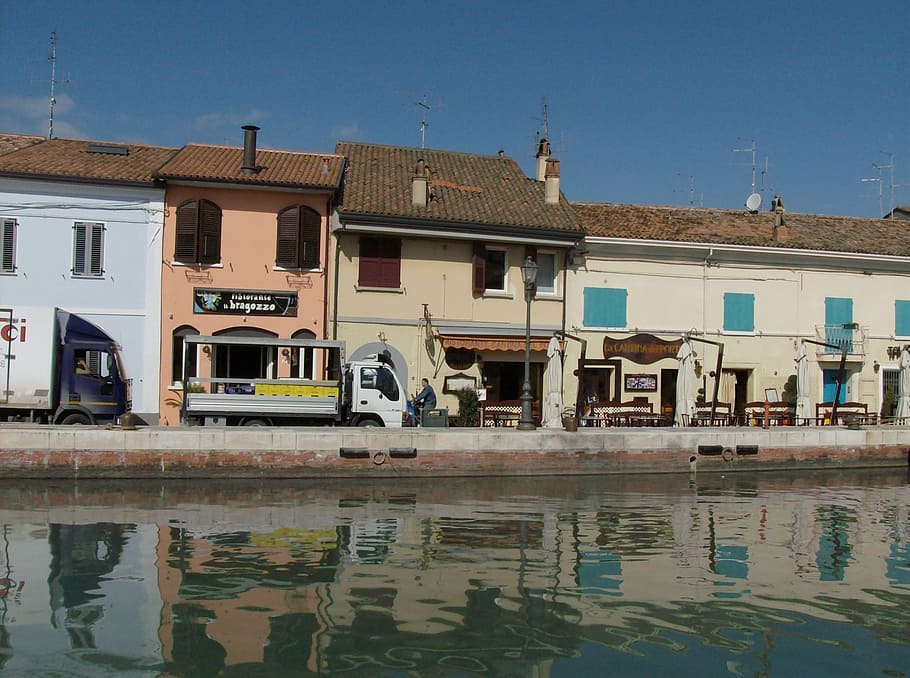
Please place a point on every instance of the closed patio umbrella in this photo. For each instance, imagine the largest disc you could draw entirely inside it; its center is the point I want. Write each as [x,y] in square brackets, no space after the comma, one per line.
[685,385]
[902,413]
[803,402]
[552,411]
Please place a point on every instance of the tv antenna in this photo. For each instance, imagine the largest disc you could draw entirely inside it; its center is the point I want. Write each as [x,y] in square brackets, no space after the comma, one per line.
[890,168]
[53,59]
[876,180]
[691,191]
[424,106]
[751,150]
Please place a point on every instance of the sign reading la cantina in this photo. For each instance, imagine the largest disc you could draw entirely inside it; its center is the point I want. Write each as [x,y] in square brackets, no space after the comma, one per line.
[244,302]
[641,348]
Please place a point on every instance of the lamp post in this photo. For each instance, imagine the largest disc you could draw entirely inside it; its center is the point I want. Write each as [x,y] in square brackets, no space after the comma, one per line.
[528,276]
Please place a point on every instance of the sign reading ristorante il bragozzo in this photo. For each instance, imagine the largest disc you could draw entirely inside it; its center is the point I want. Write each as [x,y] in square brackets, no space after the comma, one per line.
[244,302]
[641,348]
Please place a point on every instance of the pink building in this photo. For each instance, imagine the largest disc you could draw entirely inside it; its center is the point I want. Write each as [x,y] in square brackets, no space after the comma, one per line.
[245,253]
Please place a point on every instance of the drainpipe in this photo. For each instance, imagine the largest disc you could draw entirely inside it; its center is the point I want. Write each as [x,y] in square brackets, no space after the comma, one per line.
[335,282]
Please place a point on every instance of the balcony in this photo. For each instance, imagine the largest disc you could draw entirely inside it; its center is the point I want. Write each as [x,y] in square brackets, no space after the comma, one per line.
[849,335]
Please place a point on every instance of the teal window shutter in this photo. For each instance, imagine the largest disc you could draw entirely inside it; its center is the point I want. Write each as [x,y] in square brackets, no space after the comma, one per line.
[838,313]
[739,312]
[605,307]
[902,318]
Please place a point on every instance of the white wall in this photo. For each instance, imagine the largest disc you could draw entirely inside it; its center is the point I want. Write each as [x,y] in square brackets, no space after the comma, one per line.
[126,300]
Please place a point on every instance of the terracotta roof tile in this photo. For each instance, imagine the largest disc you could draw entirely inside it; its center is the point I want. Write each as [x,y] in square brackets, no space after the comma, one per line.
[733,227]
[71,159]
[13,142]
[467,188]
[197,162]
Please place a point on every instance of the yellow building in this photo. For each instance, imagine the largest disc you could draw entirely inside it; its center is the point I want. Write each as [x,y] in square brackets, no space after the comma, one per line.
[427,255]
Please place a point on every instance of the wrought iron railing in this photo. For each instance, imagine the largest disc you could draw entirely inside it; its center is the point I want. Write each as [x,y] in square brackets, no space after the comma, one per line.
[848,335]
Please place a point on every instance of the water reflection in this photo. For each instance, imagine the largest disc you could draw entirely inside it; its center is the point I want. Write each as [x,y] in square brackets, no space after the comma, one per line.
[542,577]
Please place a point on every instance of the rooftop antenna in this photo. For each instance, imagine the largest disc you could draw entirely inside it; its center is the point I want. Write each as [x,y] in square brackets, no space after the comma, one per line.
[751,150]
[691,191]
[876,180]
[764,173]
[53,59]
[423,120]
[753,202]
[890,168]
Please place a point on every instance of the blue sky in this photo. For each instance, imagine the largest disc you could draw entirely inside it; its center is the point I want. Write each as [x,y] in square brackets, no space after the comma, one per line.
[647,100]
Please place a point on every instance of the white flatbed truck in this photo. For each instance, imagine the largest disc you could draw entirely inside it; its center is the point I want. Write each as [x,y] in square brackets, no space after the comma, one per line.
[360,393]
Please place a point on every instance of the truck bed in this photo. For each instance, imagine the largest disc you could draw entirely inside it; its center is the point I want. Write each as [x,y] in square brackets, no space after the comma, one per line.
[202,404]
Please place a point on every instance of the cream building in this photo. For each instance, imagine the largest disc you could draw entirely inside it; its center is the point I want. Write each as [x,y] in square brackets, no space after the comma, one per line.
[757,283]
[426,265]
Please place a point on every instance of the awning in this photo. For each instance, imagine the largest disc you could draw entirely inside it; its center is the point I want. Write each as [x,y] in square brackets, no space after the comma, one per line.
[489,343]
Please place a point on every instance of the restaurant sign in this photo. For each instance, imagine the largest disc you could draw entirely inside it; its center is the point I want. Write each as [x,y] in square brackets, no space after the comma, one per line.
[244,302]
[643,349]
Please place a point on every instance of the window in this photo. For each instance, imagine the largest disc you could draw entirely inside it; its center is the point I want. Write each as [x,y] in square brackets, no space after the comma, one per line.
[489,269]
[298,237]
[739,312]
[546,273]
[179,356]
[380,262]
[902,318]
[302,360]
[8,245]
[198,233]
[88,249]
[380,379]
[605,307]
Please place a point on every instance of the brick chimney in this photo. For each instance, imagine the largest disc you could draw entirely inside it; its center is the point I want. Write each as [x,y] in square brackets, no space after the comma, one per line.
[551,187]
[543,154]
[420,184]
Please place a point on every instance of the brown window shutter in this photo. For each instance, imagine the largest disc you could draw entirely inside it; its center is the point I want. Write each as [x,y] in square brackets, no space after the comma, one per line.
[310,230]
[209,232]
[479,266]
[185,245]
[380,262]
[288,236]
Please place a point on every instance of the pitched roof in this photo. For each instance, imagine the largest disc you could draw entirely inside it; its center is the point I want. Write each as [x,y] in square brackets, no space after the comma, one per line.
[74,159]
[221,164]
[13,142]
[467,189]
[736,227]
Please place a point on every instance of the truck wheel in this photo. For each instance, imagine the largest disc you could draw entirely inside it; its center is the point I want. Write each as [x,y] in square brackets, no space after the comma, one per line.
[368,422]
[255,422]
[75,418]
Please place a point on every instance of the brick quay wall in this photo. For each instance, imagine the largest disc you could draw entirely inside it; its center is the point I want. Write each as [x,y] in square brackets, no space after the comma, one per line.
[75,452]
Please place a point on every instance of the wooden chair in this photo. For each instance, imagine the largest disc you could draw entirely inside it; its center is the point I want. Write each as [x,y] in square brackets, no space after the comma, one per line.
[779,414]
[722,414]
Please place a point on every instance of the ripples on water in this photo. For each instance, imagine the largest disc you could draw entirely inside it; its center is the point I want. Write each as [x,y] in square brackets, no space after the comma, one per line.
[766,575]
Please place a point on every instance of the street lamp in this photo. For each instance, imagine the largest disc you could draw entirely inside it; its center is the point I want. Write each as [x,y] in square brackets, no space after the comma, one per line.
[529,277]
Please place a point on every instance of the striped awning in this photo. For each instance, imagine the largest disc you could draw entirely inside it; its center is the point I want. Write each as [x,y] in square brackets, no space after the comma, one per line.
[476,342]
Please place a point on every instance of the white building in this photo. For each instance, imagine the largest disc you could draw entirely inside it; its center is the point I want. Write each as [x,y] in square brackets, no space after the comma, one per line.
[81,230]
[758,283]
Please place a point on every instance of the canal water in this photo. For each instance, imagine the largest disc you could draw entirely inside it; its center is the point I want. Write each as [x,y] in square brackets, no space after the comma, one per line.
[704,575]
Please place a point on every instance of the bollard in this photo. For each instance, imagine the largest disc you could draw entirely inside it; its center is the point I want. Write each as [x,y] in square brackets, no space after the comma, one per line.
[692,461]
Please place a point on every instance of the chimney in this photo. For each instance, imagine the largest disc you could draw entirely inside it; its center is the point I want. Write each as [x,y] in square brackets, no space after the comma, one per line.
[249,149]
[543,154]
[420,184]
[551,187]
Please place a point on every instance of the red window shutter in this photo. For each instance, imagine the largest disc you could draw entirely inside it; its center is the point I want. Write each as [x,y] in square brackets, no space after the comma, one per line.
[209,232]
[479,266]
[380,262]
[310,230]
[185,245]
[288,236]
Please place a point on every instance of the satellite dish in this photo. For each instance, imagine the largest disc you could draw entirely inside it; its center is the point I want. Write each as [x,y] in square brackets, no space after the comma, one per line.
[753,202]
